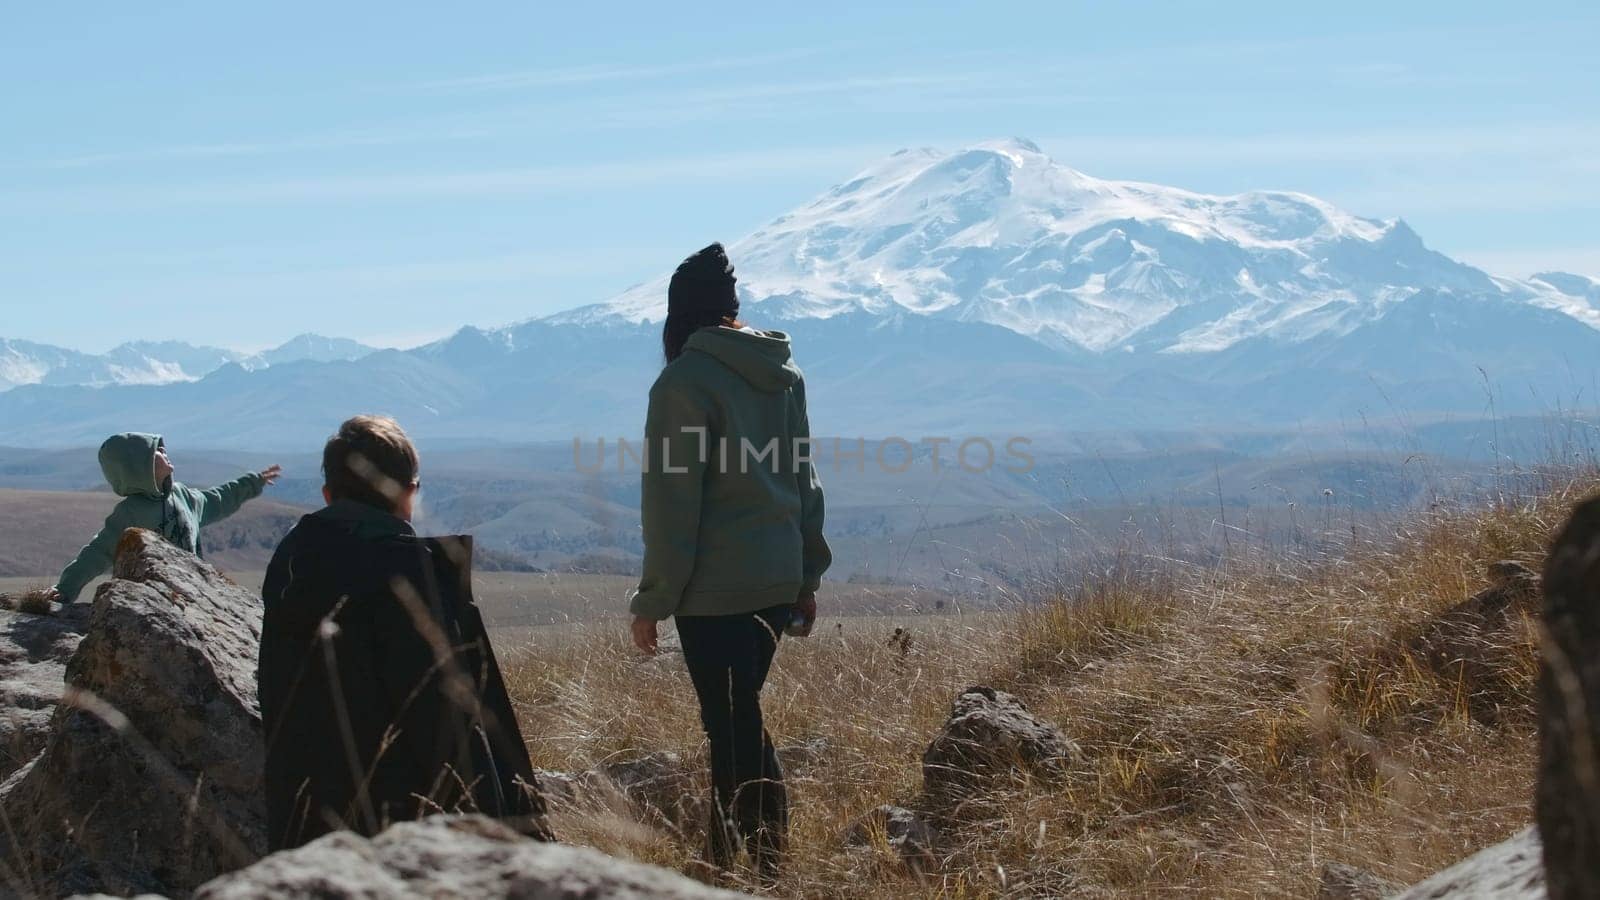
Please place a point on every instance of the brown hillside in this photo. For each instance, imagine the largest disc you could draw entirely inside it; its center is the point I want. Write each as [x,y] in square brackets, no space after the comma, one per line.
[40,531]
[1240,725]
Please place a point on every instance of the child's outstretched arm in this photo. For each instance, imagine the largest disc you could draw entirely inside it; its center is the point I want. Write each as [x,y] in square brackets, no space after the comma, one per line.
[92,561]
[224,500]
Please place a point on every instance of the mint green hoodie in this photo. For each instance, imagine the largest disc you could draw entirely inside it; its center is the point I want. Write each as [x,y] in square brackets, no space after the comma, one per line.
[728,530]
[175,510]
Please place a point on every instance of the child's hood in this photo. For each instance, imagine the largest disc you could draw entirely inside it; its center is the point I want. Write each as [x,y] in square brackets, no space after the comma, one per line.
[129,463]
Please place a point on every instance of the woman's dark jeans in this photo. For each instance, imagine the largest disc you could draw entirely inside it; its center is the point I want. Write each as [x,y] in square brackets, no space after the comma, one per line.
[728,658]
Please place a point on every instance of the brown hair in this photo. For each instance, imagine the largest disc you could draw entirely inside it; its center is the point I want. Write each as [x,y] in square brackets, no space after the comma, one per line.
[370,461]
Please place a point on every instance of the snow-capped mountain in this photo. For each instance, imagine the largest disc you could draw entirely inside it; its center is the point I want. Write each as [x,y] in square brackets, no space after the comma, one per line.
[1001,233]
[154,362]
[25,362]
[309,348]
[988,290]
[1576,295]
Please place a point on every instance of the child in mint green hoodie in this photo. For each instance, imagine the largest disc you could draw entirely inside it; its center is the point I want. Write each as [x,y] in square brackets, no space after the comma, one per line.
[137,468]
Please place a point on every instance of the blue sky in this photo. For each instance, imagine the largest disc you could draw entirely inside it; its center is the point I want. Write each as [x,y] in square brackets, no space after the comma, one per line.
[235,175]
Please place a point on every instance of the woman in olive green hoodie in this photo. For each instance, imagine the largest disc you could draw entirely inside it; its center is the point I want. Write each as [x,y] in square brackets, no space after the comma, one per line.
[733,549]
[137,468]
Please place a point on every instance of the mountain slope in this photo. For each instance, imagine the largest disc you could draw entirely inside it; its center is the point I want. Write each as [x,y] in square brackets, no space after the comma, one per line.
[1000,233]
[310,348]
[988,290]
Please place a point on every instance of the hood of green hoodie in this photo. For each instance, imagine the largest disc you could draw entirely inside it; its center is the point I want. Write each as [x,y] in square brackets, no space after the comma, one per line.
[129,463]
[760,357]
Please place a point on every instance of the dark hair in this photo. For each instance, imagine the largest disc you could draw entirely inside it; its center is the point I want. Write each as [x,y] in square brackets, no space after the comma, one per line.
[370,461]
[700,294]
[677,329]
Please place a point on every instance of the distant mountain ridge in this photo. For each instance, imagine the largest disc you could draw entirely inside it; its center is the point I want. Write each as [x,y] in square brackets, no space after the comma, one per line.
[986,290]
[154,362]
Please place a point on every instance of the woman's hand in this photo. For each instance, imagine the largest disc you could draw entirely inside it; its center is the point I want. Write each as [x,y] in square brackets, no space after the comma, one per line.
[644,634]
[807,604]
[270,473]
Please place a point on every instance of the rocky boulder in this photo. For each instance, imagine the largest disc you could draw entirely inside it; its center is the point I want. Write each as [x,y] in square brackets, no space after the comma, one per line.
[804,758]
[1345,882]
[150,776]
[1506,871]
[909,836]
[33,663]
[451,856]
[989,738]
[1568,797]
[1475,644]
[661,785]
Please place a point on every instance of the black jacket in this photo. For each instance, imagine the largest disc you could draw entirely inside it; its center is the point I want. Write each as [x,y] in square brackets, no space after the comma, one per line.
[380,696]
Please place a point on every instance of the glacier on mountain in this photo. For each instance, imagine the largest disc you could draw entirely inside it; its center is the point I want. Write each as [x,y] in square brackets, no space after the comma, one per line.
[1001,233]
[988,290]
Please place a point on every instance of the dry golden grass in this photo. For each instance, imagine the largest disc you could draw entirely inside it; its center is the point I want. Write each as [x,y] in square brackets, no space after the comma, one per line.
[1241,724]
[32,598]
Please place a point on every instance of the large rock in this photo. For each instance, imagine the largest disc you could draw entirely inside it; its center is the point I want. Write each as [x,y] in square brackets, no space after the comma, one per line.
[1473,645]
[33,663]
[805,758]
[1568,798]
[150,778]
[660,784]
[1345,882]
[1506,871]
[901,830]
[451,856]
[990,737]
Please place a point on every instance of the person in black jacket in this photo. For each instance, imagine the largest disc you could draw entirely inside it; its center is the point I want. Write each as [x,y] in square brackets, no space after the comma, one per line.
[380,696]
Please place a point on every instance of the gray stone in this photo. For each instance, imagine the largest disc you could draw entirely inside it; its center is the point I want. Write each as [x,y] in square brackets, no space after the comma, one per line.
[33,663]
[905,832]
[1507,871]
[659,783]
[1345,882]
[1470,644]
[804,757]
[451,856]
[1568,796]
[989,737]
[150,777]
[560,787]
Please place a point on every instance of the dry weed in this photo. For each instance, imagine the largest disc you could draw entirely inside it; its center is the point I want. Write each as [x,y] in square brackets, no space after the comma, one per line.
[1241,724]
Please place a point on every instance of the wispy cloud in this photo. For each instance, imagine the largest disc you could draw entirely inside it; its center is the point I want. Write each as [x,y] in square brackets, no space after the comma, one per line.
[1529,193]
[1490,169]
[509,267]
[628,109]
[1471,182]
[1521,263]
[790,100]
[821,161]
[1574,139]
[335,141]
[559,77]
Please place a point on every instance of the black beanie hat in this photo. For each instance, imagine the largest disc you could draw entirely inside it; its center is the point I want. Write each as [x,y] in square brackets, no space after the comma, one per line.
[703,284]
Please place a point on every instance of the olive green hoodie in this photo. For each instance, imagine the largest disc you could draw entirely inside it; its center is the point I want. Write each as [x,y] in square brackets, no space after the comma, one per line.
[731,505]
[175,510]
